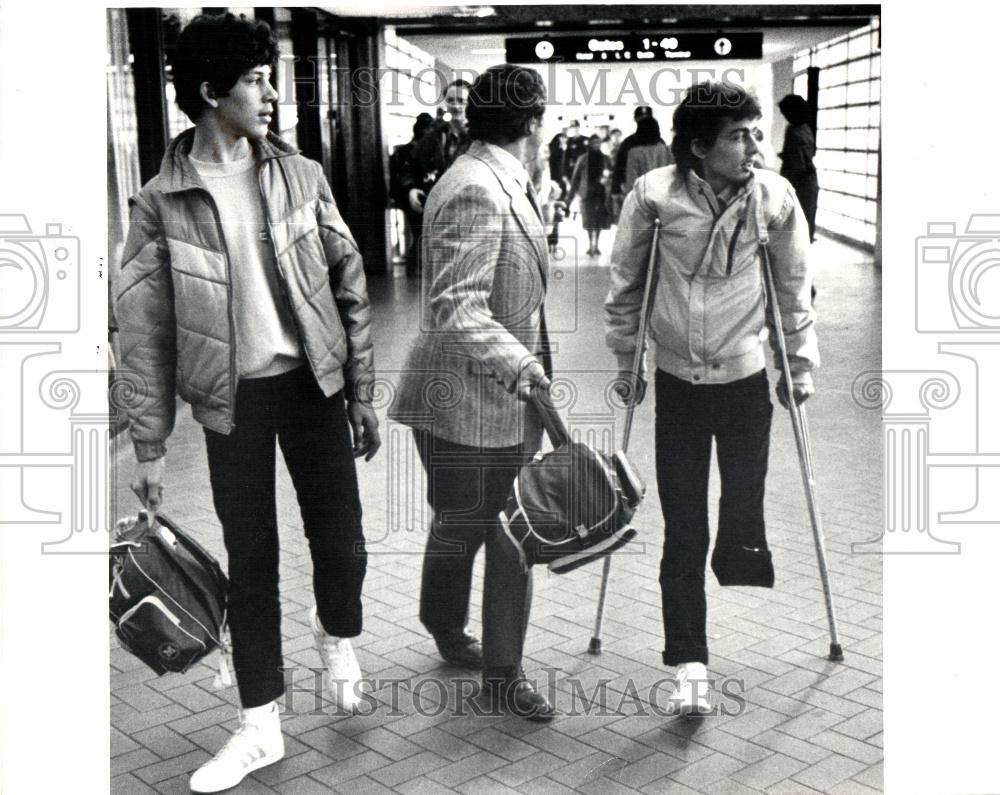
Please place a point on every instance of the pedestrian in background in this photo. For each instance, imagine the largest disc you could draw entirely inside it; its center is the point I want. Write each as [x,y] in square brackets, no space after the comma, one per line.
[648,152]
[576,146]
[613,143]
[621,161]
[444,140]
[797,155]
[405,176]
[590,179]
[559,161]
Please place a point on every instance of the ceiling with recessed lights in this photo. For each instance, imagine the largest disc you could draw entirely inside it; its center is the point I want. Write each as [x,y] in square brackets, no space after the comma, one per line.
[584,16]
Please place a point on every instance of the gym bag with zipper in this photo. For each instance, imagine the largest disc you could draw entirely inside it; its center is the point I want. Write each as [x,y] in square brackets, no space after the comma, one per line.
[167,596]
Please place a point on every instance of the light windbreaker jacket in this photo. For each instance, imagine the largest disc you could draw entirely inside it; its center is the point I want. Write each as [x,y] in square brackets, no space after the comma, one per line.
[174,306]
[709,317]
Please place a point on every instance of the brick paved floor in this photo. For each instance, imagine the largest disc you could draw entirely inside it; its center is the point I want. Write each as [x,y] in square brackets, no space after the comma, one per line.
[789,720]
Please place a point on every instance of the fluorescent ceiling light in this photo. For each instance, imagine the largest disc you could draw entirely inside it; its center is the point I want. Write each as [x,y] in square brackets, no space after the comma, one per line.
[479,12]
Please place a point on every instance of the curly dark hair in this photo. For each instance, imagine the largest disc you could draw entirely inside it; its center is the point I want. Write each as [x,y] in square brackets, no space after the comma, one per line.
[502,103]
[701,114]
[218,49]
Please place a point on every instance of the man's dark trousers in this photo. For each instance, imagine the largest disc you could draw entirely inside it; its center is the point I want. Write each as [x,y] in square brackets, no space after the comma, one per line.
[315,439]
[466,488]
[688,416]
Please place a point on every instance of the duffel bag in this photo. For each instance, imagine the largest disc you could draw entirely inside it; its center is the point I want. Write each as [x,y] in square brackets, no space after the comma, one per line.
[572,505]
[167,596]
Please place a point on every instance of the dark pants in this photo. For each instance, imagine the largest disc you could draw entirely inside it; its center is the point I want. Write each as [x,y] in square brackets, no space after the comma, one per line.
[466,488]
[807,192]
[315,440]
[414,222]
[688,416]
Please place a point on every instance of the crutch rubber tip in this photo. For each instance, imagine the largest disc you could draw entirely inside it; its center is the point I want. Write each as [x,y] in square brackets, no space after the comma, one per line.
[836,653]
[595,646]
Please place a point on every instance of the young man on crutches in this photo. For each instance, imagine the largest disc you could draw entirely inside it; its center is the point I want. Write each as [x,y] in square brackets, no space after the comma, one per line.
[708,323]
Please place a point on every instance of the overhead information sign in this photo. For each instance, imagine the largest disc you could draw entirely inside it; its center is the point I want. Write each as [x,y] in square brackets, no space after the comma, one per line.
[742,46]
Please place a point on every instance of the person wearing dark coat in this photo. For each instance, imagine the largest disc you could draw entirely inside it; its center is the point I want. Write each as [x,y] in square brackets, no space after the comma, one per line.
[589,183]
[621,157]
[620,161]
[404,176]
[576,146]
[797,157]
[447,137]
[559,169]
[649,152]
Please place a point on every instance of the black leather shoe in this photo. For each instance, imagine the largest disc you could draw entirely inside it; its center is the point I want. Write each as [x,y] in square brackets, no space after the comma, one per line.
[459,648]
[512,692]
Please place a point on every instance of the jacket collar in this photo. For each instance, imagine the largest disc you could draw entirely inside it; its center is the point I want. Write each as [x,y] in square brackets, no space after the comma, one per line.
[748,198]
[504,165]
[178,173]
[696,185]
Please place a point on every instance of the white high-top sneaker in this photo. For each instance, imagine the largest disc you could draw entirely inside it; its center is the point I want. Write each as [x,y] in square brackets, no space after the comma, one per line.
[691,695]
[344,681]
[255,744]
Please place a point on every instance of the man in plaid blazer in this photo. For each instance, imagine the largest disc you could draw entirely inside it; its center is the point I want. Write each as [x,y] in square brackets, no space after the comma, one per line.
[482,349]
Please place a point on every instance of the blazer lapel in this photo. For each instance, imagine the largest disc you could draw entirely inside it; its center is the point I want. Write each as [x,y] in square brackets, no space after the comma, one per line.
[521,209]
[529,221]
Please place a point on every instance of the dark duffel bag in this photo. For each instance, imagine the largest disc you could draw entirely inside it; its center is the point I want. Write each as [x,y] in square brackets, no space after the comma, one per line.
[572,505]
[167,596]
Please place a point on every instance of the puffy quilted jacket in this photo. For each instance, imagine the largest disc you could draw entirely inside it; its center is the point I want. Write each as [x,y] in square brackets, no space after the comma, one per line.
[174,306]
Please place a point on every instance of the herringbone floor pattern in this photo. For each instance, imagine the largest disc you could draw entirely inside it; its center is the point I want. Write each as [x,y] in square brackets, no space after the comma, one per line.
[789,721]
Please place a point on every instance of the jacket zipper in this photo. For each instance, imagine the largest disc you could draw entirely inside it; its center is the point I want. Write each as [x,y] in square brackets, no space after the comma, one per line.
[732,245]
[230,312]
[282,283]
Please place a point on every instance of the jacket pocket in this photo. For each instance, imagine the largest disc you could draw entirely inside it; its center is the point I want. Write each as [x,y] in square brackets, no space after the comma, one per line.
[155,634]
